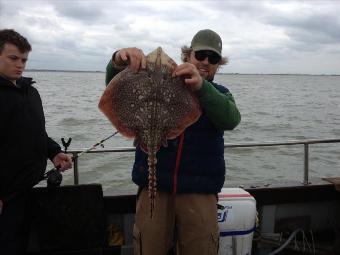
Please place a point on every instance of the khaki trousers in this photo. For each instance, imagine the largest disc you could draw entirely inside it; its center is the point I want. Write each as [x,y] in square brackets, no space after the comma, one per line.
[190,218]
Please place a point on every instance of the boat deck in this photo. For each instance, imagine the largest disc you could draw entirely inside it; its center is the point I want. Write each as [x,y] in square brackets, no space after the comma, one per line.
[76,218]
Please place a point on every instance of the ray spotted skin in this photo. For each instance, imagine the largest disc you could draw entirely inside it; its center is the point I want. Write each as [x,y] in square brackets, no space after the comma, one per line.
[150,106]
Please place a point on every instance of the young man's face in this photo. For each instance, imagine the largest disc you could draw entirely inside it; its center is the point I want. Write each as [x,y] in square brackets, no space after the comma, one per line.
[12,62]
[205,68]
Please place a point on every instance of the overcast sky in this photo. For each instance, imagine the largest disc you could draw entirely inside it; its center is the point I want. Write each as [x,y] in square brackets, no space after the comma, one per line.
[258,36]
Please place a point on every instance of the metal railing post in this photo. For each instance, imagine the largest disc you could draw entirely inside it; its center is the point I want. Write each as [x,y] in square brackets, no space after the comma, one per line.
[75,168]
[306,164]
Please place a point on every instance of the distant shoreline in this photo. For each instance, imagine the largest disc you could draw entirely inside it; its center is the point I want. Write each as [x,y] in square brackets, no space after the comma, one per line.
[79,71]
[62,71]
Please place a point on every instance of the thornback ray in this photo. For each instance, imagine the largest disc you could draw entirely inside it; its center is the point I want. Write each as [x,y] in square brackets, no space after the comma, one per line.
[150,106]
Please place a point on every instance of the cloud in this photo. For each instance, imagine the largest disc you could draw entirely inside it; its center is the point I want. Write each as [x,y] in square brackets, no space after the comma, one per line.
[318,29]
[258,36]
[83,11]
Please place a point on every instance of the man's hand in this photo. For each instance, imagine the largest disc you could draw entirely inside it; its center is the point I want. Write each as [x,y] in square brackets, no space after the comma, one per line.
[63,161]
[192,77]
[134,57]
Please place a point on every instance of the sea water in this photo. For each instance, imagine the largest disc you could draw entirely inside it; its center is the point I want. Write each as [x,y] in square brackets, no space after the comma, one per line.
[273,108]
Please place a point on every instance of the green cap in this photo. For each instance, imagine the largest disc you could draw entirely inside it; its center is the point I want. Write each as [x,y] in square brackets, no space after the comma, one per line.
[207,40]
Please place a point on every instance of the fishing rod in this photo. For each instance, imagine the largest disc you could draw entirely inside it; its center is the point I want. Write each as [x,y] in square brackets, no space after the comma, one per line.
[54,177]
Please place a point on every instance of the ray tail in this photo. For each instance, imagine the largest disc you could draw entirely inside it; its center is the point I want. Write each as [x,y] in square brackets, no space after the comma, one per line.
[152,188]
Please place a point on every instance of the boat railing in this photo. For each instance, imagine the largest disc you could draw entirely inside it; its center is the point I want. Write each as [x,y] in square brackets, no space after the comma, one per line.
[306,144]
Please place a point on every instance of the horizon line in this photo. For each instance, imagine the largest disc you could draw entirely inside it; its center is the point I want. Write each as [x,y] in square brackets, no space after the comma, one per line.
[223,73]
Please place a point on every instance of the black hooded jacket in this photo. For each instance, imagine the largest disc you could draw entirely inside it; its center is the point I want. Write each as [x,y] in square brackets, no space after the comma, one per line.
[24,143]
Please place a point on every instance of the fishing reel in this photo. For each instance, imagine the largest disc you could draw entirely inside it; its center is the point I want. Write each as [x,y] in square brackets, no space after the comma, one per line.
[54,178]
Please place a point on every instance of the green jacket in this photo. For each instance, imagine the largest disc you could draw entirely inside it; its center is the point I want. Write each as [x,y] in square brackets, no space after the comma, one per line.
[200,168]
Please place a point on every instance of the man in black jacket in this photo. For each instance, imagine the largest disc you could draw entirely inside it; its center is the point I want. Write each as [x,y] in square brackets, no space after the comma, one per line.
[24,143]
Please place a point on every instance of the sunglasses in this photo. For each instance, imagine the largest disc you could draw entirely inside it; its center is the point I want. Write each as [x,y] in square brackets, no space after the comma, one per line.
[213,57]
